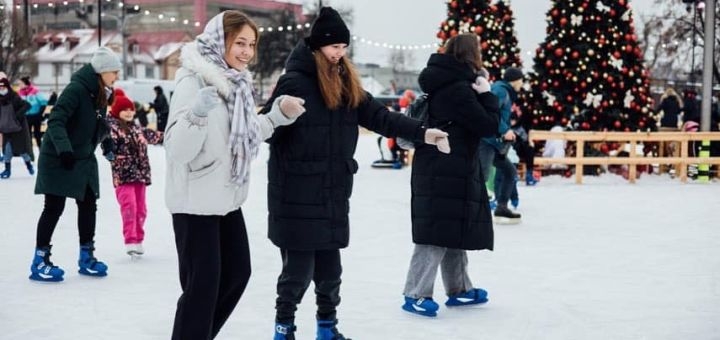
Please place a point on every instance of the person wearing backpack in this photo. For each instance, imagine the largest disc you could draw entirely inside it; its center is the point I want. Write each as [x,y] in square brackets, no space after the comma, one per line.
[493,150]
[311,170]
[450,214]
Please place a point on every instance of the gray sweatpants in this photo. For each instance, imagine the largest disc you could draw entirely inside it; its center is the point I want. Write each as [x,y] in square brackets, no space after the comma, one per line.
[423,270]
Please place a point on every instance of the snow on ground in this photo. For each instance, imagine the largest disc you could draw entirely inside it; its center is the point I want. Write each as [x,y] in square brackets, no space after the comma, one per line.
[602,260]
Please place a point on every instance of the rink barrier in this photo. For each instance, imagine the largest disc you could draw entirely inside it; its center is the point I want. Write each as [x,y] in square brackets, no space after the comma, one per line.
[581,137]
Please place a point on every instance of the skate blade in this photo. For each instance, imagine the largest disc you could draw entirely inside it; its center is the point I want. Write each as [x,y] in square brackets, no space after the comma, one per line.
[506,220]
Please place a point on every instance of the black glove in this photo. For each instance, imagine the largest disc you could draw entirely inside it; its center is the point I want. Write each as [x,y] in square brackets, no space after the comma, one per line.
[67,160]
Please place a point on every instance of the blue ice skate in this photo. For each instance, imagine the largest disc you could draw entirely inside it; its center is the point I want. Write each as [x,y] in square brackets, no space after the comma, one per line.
[421,306]
[88,264]
[284,331]
[42,269]
[471,297]
[327,330]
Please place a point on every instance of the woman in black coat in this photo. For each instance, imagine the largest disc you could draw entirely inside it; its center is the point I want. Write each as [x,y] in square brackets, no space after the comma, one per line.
[450,211]
[15,142]
[311,168]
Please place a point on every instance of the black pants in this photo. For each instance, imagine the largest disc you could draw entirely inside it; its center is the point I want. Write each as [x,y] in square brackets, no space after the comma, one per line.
[214,261]
[323,267]
[34,123]
[54,206]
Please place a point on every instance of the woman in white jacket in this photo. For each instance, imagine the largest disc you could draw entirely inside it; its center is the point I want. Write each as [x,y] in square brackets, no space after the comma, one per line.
[213,133]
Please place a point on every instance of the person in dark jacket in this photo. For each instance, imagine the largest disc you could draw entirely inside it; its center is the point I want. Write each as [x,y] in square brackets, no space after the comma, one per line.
[671,106]
[67,166]
[14,142]
[311,168]
[450,212]
[161,107]
[492,151]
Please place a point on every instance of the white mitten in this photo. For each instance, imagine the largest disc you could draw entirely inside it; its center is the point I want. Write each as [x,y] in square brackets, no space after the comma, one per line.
[481,85]
[292,107]
[207,99]
[438,138]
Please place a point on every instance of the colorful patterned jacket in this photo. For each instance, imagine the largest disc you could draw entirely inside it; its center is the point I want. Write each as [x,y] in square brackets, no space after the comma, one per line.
[131,164]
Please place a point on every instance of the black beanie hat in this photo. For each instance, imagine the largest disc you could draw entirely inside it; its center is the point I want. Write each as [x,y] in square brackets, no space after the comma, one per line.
[512,74]
[328,28]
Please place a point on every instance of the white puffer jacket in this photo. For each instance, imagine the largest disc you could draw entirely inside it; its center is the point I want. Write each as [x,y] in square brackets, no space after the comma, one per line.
[197,149]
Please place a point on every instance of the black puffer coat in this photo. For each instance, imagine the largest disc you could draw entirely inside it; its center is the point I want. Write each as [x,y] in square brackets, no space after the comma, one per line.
[311,166]
[449,200]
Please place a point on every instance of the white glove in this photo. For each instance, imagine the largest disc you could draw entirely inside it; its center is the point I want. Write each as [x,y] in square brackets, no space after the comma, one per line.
[481,85]
[292,107]
[207,99]
[438,138]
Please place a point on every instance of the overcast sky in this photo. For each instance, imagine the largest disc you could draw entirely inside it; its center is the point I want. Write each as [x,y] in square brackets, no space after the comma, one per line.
[415,22]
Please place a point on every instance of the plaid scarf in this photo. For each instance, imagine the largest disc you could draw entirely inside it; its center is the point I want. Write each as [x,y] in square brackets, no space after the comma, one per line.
[244,128]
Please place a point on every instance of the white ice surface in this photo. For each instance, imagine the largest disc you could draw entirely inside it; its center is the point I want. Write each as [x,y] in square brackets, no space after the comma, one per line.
[602,260]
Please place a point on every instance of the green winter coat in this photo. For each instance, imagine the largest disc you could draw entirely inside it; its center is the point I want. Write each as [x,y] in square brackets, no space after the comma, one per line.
[74,125]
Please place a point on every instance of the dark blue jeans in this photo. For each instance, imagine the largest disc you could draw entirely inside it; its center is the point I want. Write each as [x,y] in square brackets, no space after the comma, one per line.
[489,156]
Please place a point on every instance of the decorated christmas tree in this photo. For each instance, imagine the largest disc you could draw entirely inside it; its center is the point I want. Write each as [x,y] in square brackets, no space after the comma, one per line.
[506,52]
[496,32]
[588,72]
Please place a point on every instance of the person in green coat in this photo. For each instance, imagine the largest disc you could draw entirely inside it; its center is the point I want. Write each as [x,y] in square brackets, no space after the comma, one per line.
[67,167]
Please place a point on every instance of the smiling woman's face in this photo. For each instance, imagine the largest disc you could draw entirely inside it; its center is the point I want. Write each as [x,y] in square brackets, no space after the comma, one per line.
[240,50]
[334,52]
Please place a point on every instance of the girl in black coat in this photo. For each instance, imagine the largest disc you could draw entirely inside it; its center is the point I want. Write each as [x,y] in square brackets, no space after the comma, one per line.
[450,211]
[311,168]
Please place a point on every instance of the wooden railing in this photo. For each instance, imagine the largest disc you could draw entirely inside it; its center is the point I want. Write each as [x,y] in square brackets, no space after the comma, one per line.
[579,160]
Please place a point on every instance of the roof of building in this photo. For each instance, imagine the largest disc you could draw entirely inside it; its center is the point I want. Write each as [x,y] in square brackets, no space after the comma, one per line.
[77,46]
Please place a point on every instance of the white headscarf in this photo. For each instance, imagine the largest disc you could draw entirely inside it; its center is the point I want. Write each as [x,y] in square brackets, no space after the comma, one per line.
[244,130]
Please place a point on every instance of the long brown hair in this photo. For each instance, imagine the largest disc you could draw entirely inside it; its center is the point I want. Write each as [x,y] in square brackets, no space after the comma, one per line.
[102,99]
[338,82]
[464,47]
[233,23]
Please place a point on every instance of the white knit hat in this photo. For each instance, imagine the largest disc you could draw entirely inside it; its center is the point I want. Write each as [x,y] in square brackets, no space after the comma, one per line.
[105,60]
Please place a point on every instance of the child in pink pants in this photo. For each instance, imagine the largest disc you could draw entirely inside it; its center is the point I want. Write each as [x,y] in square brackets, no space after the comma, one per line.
[130,169]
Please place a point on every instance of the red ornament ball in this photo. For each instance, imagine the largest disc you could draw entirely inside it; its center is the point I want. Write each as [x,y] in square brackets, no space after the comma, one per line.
[585,126]
[617,124]
[558,52]
[478,29]
[453,4]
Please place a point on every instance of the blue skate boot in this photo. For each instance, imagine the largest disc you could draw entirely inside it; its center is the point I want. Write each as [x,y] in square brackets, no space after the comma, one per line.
[284,331]
[327,330]
[42,269]
[421,306]
[87,262]
[515,202]
[471,297]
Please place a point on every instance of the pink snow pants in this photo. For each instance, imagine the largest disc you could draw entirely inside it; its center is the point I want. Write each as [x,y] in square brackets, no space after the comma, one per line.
[133,211]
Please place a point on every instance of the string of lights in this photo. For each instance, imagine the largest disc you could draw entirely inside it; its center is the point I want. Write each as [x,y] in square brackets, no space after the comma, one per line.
[164,17]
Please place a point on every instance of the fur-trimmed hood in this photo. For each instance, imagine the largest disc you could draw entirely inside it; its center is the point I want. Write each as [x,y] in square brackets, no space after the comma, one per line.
[210,73]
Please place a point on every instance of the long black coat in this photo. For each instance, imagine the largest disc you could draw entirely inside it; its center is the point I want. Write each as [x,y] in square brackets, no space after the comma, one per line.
[449,200]
[311,166]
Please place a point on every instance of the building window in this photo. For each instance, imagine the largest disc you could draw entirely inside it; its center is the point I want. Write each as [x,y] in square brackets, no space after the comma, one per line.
[129,70]
[149,72]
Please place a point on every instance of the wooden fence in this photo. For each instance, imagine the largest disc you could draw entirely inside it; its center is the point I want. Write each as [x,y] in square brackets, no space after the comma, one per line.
[633,138]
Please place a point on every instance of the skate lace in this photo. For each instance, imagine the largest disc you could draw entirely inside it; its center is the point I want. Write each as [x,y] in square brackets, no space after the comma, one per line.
[47,261]
[91,260]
